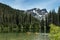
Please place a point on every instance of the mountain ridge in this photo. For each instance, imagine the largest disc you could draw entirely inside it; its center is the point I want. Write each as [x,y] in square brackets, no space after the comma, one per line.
[35,12]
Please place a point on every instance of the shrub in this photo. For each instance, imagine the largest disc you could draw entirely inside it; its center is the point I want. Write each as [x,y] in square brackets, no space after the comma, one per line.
[54,32]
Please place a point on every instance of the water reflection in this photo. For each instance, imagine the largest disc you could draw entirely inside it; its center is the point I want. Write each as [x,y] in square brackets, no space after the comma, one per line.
[23,36]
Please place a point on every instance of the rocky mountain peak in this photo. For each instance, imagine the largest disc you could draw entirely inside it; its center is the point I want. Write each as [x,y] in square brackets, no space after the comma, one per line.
[37,13]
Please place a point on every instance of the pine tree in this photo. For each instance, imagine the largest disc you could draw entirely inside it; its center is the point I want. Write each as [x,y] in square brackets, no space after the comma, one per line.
[59,15]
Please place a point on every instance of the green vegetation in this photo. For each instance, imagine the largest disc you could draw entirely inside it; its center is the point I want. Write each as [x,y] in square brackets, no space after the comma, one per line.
[54,32]
[13,20]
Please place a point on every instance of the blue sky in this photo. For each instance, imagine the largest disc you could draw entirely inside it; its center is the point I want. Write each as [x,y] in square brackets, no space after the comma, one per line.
[28,4]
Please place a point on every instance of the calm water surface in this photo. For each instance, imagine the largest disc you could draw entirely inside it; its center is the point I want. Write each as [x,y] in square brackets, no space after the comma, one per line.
[23,36]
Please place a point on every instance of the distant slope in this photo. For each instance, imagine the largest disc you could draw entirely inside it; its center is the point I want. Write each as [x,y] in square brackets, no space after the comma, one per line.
[12,20]
[9,14]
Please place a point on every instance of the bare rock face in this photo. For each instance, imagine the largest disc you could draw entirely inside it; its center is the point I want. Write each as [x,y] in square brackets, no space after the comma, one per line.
[38,13]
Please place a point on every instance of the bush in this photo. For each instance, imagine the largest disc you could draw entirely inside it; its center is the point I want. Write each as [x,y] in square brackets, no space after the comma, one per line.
[15,28]
[54,32]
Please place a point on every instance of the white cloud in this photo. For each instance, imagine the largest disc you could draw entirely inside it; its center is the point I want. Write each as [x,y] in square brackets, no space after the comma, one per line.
[19,4]
[48,4]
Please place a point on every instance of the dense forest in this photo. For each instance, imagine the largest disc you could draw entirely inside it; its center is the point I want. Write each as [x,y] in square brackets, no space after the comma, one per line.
[14,20]
[52,18]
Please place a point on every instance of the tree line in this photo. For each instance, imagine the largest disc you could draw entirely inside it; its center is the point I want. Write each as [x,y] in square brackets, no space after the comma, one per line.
[52,17]
[14,20]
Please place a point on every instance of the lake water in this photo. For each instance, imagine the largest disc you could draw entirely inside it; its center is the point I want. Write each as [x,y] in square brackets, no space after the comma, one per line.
[23,36]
